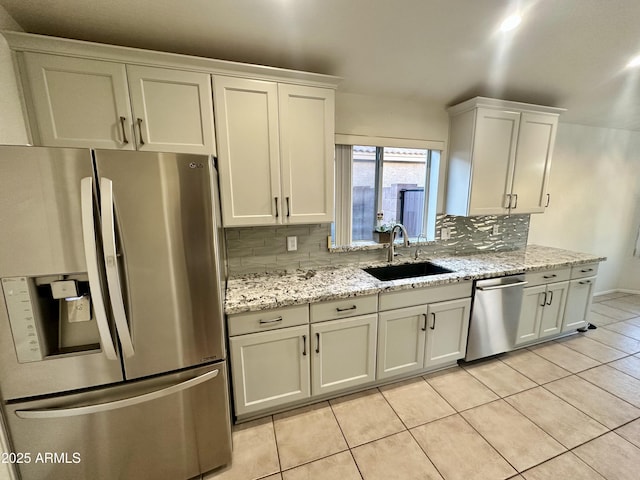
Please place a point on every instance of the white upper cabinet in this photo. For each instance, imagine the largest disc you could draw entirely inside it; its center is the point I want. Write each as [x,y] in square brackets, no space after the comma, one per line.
[536,139]
[248,151]
[79,102]
[499,157]
[275,152]
[172,109]
[306,149]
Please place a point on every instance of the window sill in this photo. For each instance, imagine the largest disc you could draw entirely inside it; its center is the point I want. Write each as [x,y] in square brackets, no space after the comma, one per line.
[360,246]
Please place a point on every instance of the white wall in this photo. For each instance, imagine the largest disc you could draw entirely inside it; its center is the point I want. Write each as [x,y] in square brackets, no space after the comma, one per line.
[12,125]
[595,200]
[376,116]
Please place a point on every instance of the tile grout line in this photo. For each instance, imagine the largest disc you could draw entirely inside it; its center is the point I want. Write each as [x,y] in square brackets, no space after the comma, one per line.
[586,413]
[275,437]
[611,393]
[558,365]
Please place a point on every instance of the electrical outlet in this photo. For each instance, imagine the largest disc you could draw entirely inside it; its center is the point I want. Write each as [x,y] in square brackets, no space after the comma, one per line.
[444,233]
[496,229]
[292,244]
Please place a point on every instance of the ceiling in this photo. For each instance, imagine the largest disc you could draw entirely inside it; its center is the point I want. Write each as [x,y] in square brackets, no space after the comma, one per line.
[565,53]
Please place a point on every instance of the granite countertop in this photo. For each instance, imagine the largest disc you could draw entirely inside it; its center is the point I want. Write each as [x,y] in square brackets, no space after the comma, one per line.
[271,290]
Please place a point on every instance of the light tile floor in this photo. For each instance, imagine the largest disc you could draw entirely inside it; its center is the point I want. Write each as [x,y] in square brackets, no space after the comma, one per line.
[566,409]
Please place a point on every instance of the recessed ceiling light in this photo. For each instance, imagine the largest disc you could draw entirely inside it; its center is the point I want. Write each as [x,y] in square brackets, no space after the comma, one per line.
[634,62]
[510,22]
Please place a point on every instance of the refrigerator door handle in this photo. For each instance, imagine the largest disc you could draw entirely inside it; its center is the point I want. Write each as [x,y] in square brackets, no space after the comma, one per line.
[111,265]
[90,252]
[125,402]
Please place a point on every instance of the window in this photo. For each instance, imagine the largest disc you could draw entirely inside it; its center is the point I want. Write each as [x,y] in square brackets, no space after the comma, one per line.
[385,185]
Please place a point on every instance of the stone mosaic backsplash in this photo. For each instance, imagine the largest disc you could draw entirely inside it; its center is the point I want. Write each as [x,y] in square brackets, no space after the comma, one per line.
[263,249]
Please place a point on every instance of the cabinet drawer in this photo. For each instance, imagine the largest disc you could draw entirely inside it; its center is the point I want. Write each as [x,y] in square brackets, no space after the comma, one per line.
[345,307]
[419,296]
[547,276]
[587,270]
[263,320]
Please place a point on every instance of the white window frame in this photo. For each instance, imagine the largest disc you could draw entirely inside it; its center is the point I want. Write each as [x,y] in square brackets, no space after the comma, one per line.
[344,180]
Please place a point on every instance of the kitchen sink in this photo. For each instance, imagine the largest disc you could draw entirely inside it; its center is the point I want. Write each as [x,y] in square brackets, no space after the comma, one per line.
[407,270]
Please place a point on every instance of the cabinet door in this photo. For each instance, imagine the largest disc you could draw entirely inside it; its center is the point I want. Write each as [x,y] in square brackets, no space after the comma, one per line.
[530,314]
[270,368]
[307,153]
[172,110]
[246,114]
[401,341]
[553,311]
[448,325]
[494,150]
[78,102]
[343,353]
[536,138]
[578,303]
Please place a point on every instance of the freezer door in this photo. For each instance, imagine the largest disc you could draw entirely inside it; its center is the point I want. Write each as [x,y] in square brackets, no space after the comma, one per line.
[161,259]
[41,240]
[170,427]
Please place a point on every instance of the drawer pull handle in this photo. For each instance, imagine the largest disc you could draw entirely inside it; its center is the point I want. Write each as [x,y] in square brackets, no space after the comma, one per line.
[433,327]
[586,270]
[424,328]
[585,282]
[267,322]
[346,309]
[276,200]
[548,200]
[317,343]
[550,276]
[550,298]
[304,345]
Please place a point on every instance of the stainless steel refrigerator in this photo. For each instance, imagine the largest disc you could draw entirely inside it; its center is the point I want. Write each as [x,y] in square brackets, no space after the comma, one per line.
[112,352]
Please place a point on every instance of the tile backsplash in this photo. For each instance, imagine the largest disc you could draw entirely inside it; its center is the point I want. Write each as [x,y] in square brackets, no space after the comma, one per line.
[263,249]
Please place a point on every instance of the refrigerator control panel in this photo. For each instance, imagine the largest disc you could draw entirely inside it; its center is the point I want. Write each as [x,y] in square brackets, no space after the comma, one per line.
[17,297]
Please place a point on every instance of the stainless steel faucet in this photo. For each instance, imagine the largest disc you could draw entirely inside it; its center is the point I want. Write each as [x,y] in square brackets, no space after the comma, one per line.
[405,237]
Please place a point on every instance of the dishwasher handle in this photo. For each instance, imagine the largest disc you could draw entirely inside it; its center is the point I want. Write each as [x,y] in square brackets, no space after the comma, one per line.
[500,287]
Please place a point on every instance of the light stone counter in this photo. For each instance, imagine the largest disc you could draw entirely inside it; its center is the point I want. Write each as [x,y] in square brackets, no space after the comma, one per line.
[263,291]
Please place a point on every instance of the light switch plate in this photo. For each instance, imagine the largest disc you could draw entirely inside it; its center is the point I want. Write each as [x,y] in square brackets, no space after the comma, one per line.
[292,244]
[496,229]
[444,233]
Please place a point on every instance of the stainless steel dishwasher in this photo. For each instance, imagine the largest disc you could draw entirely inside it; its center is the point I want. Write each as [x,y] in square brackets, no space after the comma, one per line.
[494,316]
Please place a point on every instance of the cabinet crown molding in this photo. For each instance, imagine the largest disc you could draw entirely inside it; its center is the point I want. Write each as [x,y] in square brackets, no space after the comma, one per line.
[28,42]
[479,102]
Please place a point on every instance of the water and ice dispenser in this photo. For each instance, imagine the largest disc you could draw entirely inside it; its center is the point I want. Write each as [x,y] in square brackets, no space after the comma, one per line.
[50,316]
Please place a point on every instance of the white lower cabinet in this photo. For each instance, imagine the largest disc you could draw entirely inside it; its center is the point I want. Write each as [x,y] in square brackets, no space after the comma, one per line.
[578,303]
[284,365]
[447,331]
[270,368]
[415,338]
[343,353]
[542,311]
[401,341]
